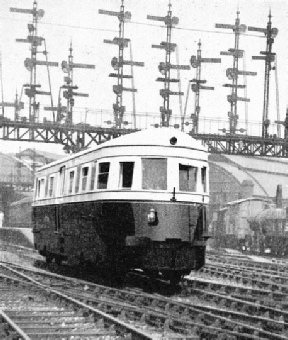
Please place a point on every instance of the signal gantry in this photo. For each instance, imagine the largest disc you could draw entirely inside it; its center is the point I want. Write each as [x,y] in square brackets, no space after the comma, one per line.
[233,73]
[69,89]
[269,57]
[118,63]
[197,84]
[165,67]
[30,63]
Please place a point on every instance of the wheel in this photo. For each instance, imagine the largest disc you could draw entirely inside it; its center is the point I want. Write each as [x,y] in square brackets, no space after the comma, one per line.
[49,258]
[58,260]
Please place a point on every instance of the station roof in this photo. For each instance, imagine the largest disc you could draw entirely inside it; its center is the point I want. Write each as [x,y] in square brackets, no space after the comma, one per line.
[264,172]
[12,171]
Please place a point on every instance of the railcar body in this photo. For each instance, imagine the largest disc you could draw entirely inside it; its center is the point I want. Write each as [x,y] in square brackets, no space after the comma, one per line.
[138,201]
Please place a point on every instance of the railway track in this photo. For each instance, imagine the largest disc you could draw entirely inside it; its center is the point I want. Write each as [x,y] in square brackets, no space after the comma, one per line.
[177,316]
[32,310]
[208,308]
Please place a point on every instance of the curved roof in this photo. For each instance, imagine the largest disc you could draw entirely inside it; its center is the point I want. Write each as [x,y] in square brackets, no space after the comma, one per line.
[158,137]
[148,137]
[264,172]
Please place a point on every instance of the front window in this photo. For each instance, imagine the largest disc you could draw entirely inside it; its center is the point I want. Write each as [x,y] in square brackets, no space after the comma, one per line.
[85,171]
[126,174]
[103,175]
[187,178]
[154,173]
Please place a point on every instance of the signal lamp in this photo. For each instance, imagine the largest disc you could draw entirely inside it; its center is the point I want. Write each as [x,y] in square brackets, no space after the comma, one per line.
[65,66]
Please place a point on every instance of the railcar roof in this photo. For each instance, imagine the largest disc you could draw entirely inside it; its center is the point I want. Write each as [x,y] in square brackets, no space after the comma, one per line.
[149,137]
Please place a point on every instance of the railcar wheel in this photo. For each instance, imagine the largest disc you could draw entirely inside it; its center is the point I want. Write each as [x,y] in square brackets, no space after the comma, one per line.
[175,279]
[58,260]
[49,258]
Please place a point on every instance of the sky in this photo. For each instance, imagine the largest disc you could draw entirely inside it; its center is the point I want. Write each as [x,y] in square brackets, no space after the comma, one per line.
[79,23]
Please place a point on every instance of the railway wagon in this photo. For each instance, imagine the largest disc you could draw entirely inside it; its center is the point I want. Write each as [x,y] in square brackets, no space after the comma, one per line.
[137,201]
[254,224]
[20,213]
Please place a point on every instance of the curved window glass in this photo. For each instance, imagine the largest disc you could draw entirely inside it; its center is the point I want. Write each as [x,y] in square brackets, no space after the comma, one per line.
[187,178]
[126,174]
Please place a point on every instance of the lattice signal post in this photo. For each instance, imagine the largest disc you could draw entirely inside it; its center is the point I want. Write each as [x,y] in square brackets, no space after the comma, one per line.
[233,73]
[165,67]
[18,105]
[197,84]
[32,89]
[118,63]
[66,112]
[269,57]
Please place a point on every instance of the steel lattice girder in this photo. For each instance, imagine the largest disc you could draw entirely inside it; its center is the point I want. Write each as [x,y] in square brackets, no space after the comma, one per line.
[76,137]
[244,145]
[73,137]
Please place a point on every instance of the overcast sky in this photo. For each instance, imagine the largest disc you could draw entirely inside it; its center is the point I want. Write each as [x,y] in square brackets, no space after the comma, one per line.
[78,21]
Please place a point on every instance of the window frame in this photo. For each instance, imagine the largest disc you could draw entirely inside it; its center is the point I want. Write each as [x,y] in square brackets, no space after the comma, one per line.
[186,164]
[41,188]
[72,170]
[204,179]
[99,163]
[87,186]
[121,177]
[51,193]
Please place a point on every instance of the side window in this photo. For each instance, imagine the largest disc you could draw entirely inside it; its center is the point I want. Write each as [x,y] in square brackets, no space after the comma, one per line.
[93,173]
[187,178]
[77,180]
[203,178]
[41,187]
[38,188]
[62,180]
[103,175]
[126,174]
[51,186]
[84,174]
[71,181]
[154,173]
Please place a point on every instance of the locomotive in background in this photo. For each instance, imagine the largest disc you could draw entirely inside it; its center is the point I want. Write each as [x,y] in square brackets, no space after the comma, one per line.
[253,225]
[136,202]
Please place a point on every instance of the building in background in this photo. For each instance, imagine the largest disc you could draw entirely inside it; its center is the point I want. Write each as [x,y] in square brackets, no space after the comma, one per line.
[234,178]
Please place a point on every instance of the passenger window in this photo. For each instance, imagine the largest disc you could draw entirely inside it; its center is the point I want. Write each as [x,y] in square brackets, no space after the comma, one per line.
[62,179]
[41,188]
[85,172]
[103,175]
[187,177]
[126,174]
[71,181]
[154,173]
[93,172]
[51,186]
[38,188]
[203,178]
